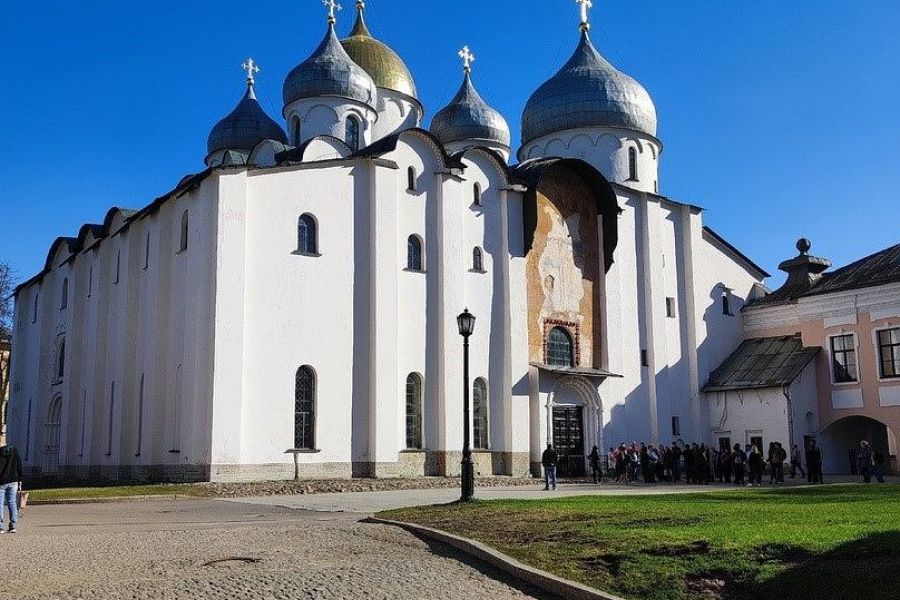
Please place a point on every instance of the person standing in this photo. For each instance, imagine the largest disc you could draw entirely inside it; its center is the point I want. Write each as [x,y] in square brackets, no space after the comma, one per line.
[796,464]
[813,463]
[866,461]
[676,463]
[738,464]
[549,459]
[780,457]
[878,466]
[755,463]
[594,459]
[10,484]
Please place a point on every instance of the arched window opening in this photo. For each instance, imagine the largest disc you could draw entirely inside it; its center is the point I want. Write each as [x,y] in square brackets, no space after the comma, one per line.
[726,303]
[411,179]
[54,424]
[112,408]
[64,301]
[118,266]
[414,412]
[90,280]
[352,133]
[560,351]
[147,251]
[632,164]
[476,195]
[177,410]
[477,259]
[307,235]
[61,361]
[414,253]
[34,312]
[480,414]
[295,130]
[304,409]
[183,241]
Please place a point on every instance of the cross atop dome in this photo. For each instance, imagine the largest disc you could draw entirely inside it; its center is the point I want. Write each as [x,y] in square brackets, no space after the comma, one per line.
[468,58]
[252,69]
[585,20]
[333,7]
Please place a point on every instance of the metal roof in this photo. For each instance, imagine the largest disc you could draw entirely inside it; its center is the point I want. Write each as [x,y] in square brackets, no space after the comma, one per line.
[762,363]
[583,371]
[469,117]
[877,269]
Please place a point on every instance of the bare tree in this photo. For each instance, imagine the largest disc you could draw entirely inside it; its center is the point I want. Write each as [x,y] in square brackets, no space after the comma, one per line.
[6,304]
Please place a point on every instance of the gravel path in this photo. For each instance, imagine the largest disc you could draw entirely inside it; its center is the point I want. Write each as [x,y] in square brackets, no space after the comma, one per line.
[215,549]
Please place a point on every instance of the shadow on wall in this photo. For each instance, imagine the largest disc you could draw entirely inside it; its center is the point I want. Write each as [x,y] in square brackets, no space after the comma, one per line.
[864,568]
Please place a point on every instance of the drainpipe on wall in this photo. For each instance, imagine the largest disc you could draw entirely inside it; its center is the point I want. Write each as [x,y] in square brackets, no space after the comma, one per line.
[790,415]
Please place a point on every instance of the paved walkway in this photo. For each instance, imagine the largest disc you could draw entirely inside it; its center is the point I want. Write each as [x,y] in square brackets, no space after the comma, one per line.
[200,549]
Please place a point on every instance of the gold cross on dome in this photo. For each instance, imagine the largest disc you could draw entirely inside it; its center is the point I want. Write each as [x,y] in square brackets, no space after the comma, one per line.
[332,6]
[252,69]
[468,58]
[585,6]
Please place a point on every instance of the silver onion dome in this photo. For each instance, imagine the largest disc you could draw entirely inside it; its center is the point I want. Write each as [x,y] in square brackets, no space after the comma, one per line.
[588,92]
[329,72]
[468,117]
[245,127]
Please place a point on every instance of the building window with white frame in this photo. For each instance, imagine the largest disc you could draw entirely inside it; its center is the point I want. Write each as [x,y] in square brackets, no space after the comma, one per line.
[304,409]
[632,164]
[414,260]
[351,134]
[843,358]
[183,238]
[889,352]
[560,349]
[307,235]
[480,414]
[414,412]
[411,179]
[477,260]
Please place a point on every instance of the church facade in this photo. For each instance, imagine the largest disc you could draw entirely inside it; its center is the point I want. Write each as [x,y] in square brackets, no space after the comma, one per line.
[294,304]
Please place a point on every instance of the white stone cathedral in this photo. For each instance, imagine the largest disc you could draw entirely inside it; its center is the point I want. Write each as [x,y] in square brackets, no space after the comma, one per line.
[297,300]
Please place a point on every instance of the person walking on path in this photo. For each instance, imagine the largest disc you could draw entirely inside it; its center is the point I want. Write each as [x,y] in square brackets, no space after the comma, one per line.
[594,459]
[813,463]
[10,484]
[549,459]
[866,461]
[796,464]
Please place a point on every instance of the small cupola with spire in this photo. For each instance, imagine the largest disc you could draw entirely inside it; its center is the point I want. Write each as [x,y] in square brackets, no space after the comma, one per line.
[233,139]
[804,271]
[468,121]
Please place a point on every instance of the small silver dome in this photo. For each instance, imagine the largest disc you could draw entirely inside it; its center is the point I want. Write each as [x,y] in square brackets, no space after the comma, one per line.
[588,92]
[245,127]
[329,72]
[468,117]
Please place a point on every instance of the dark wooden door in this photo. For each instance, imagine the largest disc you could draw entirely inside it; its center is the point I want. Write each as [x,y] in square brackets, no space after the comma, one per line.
[568,439]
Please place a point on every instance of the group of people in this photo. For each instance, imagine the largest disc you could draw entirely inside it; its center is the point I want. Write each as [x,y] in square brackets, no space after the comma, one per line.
[699,464]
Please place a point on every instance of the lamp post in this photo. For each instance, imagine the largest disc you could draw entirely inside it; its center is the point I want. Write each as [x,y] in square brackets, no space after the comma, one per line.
[466,322]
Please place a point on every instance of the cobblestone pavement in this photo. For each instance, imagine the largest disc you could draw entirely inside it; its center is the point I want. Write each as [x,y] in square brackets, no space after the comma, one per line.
[216,549]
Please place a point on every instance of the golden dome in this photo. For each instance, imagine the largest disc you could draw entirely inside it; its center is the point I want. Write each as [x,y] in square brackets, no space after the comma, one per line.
[382,64]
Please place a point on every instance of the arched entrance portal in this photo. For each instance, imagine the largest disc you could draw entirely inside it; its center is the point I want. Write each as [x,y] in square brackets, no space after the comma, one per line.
[574,423]
[840,441]
[54,420]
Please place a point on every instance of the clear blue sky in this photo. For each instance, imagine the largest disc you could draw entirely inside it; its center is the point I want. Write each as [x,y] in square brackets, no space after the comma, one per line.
[780,117]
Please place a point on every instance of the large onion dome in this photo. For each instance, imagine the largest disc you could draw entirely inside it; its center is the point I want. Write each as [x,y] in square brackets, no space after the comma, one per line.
[329,72]
[384,65]
[588,92]
[469,118]
[245,127]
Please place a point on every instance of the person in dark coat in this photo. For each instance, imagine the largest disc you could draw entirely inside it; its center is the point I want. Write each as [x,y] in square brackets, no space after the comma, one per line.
[594,460]
[796,463]
[676,462]
[755,462]
[549,459]
[10,484]
[866,461]
[738,464]
[813,463]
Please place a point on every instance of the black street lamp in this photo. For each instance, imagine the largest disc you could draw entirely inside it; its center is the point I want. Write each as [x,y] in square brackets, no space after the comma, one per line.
[466,322]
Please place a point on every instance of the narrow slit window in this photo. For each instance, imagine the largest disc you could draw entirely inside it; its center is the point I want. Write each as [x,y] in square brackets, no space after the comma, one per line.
[307,235]
[632,164]
[414,260]
[477,259]
[352,133]
[411,179]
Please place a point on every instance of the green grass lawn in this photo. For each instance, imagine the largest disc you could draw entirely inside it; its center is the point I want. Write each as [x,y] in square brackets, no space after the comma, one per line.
[99,493]
[822,543]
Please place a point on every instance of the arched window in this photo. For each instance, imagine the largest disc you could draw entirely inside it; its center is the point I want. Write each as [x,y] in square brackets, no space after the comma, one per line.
[90,280]
[147,251]
[183,242]
[414,253]
[34,312]
[414,411]
[307,238]
[64,301]
[112,409]
[61,361]
[411,179]
[477,259]
[304,409]
[480,414]
[140,417]
[559,348]
[632,164]
[351,134]
[118,266]
[476,195]
[295,130]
